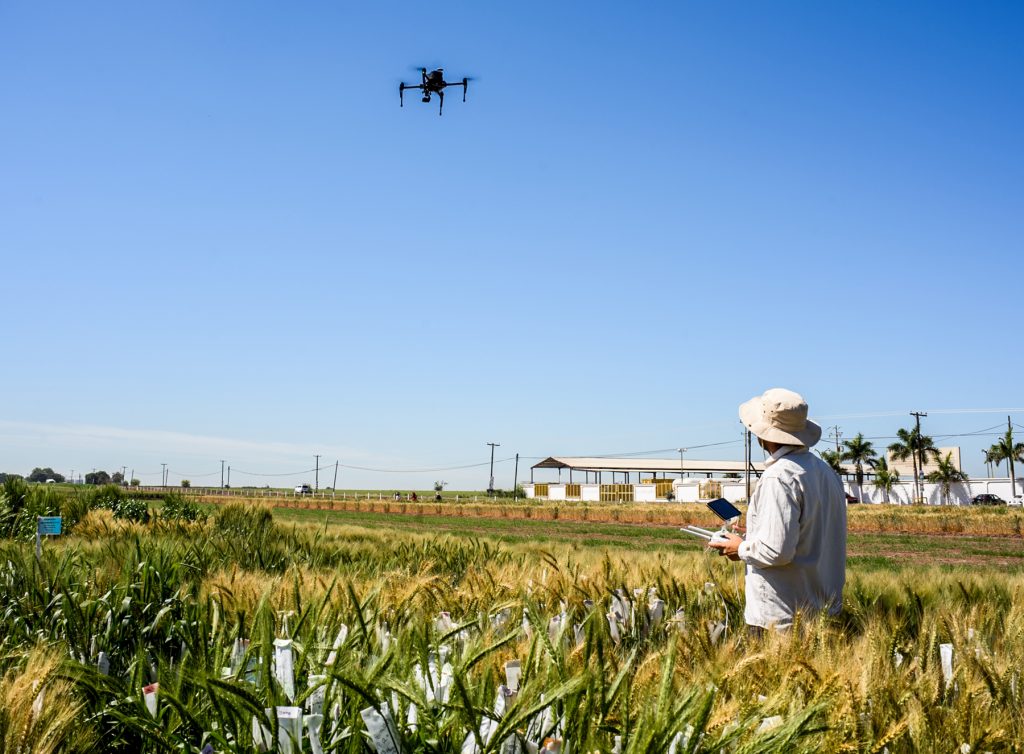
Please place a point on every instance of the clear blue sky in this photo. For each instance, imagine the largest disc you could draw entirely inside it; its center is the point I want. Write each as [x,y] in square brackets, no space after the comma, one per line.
[222,238]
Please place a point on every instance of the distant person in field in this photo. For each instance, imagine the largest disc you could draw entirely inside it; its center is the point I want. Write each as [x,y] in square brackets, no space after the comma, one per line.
[795,544]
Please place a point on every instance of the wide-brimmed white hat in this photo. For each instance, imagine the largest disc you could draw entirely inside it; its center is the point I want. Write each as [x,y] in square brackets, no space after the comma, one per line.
[780,416]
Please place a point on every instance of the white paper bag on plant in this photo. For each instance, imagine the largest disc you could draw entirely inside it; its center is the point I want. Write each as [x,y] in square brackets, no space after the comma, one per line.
[620,605]
[488,725]
[444,623]
[289,729]
[946,659]
[260,735]
[513,672]
[613,626]
[656,612]
[284,669]
[313,725]
[317,689]
[149,694]
[37,703]
[382,730]
[338,641]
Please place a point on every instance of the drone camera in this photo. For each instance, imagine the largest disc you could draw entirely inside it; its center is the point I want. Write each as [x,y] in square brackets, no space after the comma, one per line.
[426,98]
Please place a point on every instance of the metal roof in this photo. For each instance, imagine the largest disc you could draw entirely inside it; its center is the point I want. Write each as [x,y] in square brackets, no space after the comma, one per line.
[670,465]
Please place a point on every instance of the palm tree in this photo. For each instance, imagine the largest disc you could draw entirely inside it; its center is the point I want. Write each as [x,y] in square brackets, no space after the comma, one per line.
[859,451]
[1008,450]
[989,459]
[947,474]
[834,459]
[915,446]
[886,479]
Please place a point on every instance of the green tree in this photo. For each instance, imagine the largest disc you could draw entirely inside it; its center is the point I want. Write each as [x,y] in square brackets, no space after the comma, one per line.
[97,477]
[859,451]
[1008,450]
[117,478]
[946,475]
[186,483]
[41,475]
[915,446]
[886,479]
[834,459]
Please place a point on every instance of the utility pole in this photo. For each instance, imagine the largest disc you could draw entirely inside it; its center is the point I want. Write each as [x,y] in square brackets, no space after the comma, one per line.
[163,475]
[229,476]
[682,471]
[746,464]
[222,473]
[316,482]
[334,486]
[490,487]
[1009,458]
[835,433]
[918,458]
[515,479]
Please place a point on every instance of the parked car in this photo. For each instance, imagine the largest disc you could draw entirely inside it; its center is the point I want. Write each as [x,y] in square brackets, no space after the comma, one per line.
[850,499]
[987,499]
[303,489]
[1019,500]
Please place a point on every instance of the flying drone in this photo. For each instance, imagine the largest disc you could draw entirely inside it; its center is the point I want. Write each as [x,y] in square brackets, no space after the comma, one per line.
[433,83]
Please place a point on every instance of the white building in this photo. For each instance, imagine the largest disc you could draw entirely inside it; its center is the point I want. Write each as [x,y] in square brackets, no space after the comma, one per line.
[651,480]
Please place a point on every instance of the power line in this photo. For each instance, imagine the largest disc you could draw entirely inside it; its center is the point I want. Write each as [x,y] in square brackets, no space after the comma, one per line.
[287,473]
[422,471]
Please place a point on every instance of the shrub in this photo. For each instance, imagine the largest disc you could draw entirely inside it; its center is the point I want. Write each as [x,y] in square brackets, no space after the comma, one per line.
[177,507]
[108,496]
[132,509]
[186,483]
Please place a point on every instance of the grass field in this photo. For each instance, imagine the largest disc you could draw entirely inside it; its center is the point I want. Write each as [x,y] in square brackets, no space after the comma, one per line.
[626,634]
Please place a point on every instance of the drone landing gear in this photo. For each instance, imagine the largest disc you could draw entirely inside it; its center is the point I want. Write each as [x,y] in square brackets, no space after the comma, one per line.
[440,96]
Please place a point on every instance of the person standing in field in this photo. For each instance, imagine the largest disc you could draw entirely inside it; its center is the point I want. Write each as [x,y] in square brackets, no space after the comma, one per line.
[795,544]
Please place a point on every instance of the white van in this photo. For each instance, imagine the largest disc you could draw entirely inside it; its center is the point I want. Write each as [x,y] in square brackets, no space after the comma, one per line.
[303,489]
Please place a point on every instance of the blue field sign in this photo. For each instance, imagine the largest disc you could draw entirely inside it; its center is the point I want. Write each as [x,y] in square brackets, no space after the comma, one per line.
[50,525]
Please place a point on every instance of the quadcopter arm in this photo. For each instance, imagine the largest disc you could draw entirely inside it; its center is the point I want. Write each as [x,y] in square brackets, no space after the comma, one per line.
[401,91]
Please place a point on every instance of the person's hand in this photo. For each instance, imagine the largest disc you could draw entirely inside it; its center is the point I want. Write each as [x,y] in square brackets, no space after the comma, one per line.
[730,548]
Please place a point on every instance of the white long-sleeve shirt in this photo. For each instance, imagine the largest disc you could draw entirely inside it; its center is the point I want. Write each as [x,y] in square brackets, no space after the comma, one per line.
[795,545]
